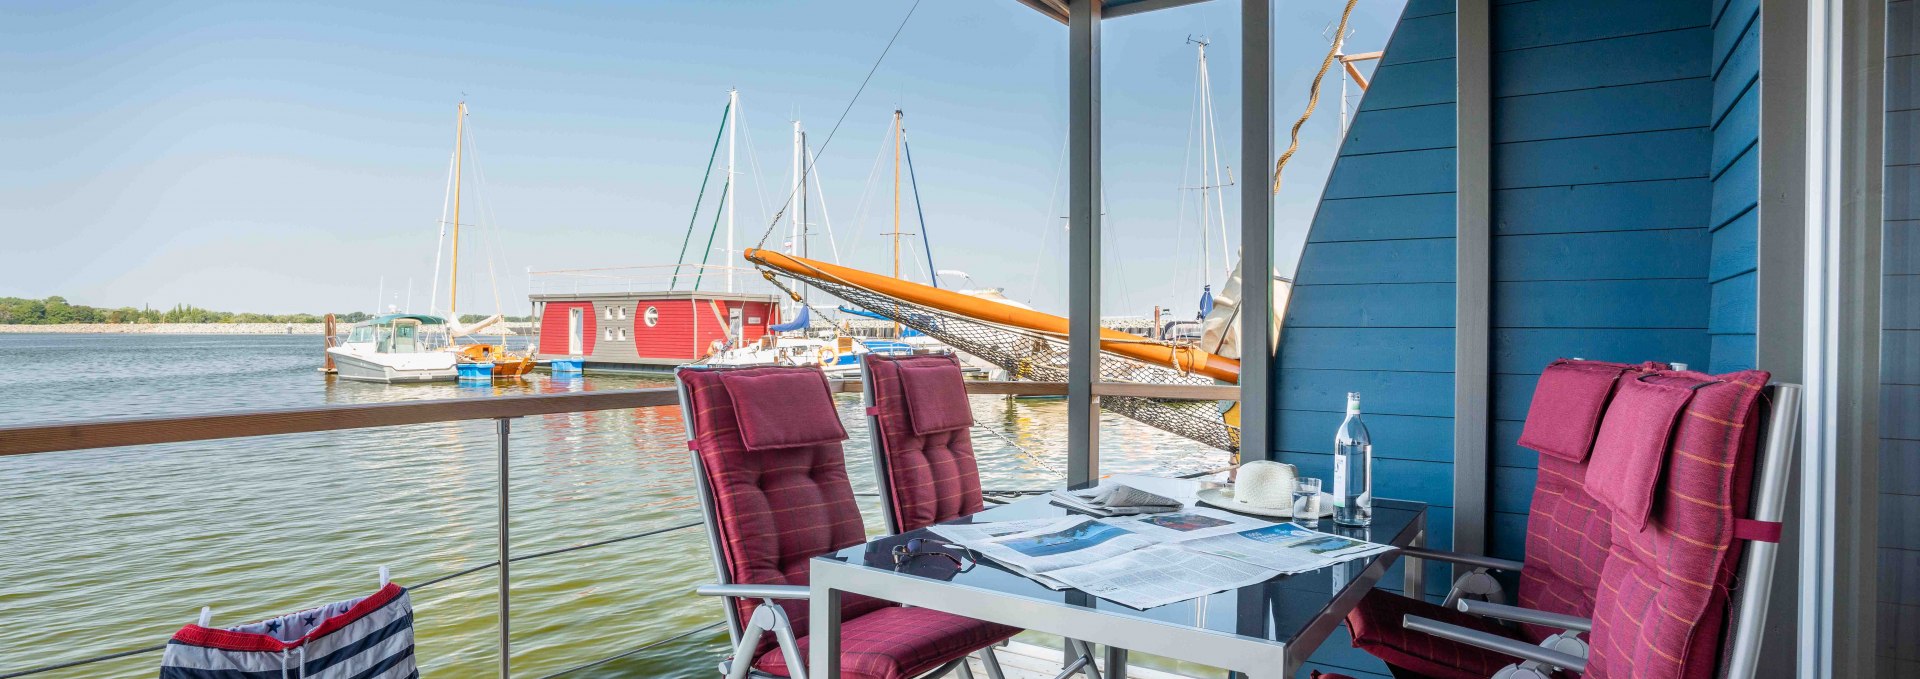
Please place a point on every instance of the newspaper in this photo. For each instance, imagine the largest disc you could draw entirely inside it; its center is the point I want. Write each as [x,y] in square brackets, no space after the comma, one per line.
[1113,499]
[1286,547]
[1156,559]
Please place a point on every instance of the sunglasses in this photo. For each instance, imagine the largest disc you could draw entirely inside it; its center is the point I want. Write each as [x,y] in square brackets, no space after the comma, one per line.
[919,547]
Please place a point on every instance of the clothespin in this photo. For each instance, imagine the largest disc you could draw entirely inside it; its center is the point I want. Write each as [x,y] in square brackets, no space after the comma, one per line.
[206,616]
[383,576]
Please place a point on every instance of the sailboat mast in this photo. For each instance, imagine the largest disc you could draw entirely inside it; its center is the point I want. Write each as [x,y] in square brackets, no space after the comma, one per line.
[453,286]
[896,205]
[733,112]
[806,229]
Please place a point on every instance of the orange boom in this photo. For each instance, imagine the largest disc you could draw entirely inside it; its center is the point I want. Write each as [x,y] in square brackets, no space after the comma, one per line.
[1183,358]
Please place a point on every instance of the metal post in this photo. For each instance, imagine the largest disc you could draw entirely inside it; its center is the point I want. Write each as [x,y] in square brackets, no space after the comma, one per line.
[506,655]
[1083,241]
[1846,58]
[1256,230]
[1473,287]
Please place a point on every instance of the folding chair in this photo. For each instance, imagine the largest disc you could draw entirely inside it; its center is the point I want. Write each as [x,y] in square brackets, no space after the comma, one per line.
[1568,535]
[1691,505]
[772,481]
[920,424]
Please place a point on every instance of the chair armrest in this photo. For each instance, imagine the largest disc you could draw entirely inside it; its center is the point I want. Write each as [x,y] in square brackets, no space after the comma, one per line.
[1498,644]
[754,591]
[1526,615]
[1474,560]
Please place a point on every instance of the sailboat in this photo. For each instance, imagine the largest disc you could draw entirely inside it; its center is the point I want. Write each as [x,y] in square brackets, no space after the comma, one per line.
[478,360]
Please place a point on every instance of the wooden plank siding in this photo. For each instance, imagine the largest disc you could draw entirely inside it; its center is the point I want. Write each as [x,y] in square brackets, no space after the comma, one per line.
[1604,183]
[1734,166]
[1898,643]
[1372,307]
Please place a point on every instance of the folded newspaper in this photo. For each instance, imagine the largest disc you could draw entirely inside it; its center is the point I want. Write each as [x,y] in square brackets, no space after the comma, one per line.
[1114,500]
[1158,559]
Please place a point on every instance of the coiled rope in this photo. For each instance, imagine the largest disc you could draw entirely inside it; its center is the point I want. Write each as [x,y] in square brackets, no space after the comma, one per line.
[1313,96]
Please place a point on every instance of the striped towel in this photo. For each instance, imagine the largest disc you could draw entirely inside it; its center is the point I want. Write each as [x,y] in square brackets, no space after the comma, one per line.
[366,638]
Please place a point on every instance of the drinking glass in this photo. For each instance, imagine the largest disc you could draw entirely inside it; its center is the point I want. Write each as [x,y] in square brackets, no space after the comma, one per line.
[1306,503]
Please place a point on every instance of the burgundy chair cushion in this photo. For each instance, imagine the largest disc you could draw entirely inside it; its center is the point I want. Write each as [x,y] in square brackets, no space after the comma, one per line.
[1568,535]
[1663,600]
[779,409]
[1631,450]
[932,477]
[775,508]
[936,396]
[898,643]
[1567,403]
[1377,628]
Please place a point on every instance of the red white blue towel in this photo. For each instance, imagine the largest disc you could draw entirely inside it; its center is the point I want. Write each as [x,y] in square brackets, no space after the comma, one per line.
[366,638]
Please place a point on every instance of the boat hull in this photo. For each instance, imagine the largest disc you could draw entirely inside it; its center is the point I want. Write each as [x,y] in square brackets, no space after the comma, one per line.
[362,369]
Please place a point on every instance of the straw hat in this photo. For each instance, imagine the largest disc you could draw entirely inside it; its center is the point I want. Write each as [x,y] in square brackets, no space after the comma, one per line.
[1264,488]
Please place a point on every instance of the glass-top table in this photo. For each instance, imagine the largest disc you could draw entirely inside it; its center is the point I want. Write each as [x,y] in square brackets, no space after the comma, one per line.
[1264,630]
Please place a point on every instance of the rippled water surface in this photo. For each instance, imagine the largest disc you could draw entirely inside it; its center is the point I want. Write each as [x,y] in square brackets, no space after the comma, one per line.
[111,550]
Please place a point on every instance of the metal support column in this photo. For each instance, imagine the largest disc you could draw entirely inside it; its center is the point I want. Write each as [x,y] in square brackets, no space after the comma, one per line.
[1780,308]
[1083,240]
[1846,59]
[1473,278]
[1256,230]
[500,501]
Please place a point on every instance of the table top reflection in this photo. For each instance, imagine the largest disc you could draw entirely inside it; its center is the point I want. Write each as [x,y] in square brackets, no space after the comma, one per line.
[1287,609]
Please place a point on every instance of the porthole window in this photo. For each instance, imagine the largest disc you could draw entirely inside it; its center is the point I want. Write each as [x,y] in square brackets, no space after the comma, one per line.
[652,317]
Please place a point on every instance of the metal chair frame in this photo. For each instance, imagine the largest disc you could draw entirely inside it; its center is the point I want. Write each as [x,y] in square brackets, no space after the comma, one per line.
[1780,428]
[769,617]
[1080,654]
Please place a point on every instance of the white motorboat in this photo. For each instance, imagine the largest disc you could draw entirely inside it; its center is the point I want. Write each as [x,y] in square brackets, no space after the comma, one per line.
[396,348]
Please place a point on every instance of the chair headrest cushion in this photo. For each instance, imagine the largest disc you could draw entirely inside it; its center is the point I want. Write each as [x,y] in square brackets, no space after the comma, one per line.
[783,409]
[1631,451]
[1567,403]
[936,397]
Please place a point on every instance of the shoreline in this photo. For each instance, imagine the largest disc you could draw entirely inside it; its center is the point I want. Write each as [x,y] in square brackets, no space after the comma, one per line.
[314,329]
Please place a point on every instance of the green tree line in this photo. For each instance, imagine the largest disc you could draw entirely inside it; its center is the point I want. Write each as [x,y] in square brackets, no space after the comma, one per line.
[57,310]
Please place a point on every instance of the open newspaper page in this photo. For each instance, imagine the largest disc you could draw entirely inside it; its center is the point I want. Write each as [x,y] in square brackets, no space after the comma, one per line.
[1062,543]
[1160,575]
[1187,524]
[968,534]
[1285,547]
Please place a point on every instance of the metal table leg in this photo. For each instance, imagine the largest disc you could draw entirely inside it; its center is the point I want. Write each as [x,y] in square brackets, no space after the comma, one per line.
[1116,662]
[823,614]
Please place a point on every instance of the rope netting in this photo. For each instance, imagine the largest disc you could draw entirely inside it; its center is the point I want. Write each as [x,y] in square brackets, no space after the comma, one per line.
[1040,357]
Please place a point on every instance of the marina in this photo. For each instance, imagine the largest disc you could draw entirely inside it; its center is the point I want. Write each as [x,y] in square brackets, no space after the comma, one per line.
[1503,340]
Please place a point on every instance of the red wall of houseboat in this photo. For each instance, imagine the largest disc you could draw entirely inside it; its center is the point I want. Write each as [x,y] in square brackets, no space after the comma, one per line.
[686,328]
[553,327]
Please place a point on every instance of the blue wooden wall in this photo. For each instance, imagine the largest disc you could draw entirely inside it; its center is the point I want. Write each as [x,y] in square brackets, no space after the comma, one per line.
[1899,605]
[1623,229]
[1372,307]
[1734,216]
[1602,206]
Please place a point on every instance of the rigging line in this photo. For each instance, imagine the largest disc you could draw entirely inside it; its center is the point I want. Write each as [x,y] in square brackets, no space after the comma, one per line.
[1220,180]
[446,199]
[1046,214]
[1313,96]
[813,162]
[718,212]
[775,222]
[863,209]
[753,159]
[925,242]
[702,197]
[488,227]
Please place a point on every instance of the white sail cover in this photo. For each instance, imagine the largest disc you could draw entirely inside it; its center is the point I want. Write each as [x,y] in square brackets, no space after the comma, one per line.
[1220,332]
[458,330]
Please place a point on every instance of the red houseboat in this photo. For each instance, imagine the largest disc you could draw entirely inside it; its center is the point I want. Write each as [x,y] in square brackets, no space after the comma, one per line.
[647,331]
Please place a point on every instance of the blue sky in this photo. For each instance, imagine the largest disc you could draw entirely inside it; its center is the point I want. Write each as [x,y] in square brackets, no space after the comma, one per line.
[286,157]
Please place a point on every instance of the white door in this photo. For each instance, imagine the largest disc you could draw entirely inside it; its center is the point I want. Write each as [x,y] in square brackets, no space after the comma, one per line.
[576,325]
[734,331]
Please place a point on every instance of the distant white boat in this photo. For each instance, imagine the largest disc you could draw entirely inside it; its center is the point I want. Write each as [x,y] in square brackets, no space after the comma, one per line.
[396,348]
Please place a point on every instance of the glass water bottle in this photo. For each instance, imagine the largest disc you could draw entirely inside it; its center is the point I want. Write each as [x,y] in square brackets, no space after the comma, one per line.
[1353,469]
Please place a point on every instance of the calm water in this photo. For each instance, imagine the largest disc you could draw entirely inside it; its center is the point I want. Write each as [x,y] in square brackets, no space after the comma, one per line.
[111,550]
